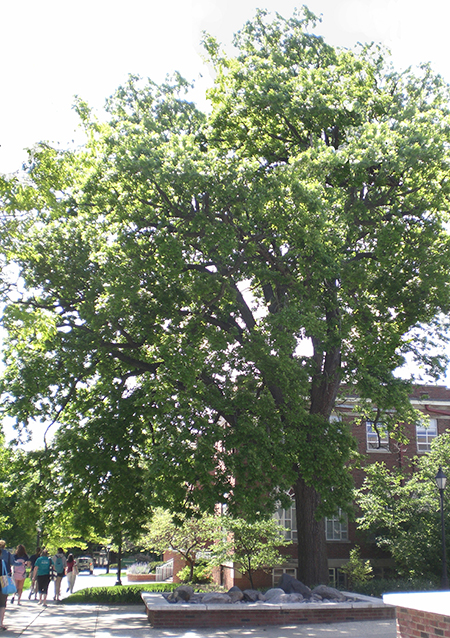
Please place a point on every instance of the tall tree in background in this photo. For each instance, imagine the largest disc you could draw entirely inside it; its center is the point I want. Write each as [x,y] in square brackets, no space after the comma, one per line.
[221,276]
[401,510]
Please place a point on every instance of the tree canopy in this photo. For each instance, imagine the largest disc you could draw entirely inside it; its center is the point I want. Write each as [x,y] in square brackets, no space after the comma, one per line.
[217,278]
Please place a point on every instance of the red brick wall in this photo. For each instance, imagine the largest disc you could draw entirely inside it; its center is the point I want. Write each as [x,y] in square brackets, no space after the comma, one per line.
[238,616]
[421,624]
[178,563]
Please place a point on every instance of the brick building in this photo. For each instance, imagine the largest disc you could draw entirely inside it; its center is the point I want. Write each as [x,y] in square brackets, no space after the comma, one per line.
[375,445]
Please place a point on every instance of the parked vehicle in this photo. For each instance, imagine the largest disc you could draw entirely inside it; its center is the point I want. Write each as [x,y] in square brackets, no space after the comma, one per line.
[85,564]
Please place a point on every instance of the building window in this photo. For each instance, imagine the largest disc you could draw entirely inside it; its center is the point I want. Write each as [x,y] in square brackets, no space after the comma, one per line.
[337,578]
[336,528]
[288,521]
[425,433]
[377,437]
[279,571]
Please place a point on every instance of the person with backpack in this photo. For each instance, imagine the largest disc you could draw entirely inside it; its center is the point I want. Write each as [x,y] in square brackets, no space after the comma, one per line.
[7,557]
[59,563]
[71,571]
[20,571]
[42,572]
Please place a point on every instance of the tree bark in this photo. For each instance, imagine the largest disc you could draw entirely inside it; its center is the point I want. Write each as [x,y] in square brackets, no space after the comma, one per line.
[311,545]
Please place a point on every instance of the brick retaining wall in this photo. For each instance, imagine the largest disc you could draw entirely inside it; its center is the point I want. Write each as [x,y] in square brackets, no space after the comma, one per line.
[259,614]
[421,614]
[141,578]
[412,623]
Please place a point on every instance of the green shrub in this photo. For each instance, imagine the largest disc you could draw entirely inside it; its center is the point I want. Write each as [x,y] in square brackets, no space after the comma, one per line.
[358,571]
[202,573]
[379,586]
[123,595]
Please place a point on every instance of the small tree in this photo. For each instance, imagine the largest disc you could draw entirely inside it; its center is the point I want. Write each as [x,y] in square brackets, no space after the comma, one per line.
[183,535]
[357,569]
[254,546]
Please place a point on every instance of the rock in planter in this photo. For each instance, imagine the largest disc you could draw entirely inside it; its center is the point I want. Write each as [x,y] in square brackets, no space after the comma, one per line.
[285,598]
[235,594]
[183,593]
[291,585]
[216,598]
[251,595]
[329,593]
[274,592]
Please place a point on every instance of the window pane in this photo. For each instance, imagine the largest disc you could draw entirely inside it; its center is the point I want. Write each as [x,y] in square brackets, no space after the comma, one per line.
[376,440]
[425,435]
[336,527]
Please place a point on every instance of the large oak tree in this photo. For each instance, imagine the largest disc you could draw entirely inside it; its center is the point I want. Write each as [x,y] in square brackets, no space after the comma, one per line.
[217,278]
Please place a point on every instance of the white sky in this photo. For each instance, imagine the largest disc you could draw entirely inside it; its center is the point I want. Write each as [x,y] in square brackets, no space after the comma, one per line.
[52,50]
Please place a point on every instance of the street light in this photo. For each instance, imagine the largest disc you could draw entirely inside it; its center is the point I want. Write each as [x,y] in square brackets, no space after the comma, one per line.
[441,481]
[119,565]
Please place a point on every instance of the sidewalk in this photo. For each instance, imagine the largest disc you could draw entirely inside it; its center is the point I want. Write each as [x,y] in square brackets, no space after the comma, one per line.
[30,620]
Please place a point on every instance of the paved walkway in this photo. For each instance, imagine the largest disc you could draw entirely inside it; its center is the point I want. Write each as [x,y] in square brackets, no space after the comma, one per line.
[101,621]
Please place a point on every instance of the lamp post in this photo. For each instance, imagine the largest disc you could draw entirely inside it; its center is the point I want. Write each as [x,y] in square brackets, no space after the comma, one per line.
[441,481]
[119,565]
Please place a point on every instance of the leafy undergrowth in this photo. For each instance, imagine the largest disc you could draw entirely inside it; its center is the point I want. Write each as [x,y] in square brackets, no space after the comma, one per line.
[379,586]
[120,595]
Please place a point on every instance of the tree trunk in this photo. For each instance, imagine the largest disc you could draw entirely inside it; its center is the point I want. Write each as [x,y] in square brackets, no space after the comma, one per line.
[312,549]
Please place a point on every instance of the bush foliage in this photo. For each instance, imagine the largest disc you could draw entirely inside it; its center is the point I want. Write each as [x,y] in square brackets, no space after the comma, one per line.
[123,595]
[379,586]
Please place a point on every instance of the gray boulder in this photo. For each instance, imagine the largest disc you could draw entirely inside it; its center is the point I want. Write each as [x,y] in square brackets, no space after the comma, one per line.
[183,593]
[235,594]
[216,598]
[293,598]
[252,596]
[291,585]
[285,598]
[272,593]
[329,593]
[196,599]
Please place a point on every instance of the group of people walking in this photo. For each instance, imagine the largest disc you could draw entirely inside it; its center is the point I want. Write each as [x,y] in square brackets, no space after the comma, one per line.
[43,568]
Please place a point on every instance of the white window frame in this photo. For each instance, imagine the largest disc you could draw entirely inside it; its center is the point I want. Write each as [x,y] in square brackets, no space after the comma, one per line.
[277,573]
[287,519]
[425,434]
[337,578]
[374,442]
[336,527]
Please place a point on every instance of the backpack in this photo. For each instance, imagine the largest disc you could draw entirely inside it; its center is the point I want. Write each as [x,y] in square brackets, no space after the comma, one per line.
[19,570]
[59,565]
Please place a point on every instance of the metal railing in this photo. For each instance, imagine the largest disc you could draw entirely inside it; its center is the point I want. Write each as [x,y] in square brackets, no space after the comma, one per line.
[165,572]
